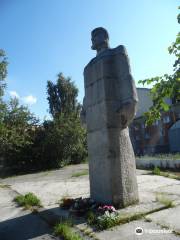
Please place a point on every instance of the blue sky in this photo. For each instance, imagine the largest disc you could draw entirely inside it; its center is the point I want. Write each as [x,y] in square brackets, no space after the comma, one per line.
[44,37]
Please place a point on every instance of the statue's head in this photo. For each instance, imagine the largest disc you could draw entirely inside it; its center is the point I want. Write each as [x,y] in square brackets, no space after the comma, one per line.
[100,38]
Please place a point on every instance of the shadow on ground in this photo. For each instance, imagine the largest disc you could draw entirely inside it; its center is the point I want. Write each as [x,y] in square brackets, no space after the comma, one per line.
[25,227]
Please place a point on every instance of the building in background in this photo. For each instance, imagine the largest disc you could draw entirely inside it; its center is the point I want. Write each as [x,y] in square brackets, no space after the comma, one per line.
[163,136]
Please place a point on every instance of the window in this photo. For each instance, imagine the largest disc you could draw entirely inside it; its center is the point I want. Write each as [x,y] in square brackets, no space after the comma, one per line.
[166,119]
[143,125]
[147,136]
[156,123]
[136,128]
[162,132]
[137,137]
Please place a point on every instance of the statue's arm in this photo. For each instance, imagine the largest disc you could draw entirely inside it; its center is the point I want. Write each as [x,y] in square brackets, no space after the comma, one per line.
[127,112]
[127,108]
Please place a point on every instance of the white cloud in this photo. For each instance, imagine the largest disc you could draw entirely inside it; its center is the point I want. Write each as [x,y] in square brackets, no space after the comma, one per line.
[29,99]
[14,94]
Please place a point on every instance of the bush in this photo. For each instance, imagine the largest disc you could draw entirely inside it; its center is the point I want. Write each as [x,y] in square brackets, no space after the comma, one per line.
[64,142]
[28,147]
[17,129]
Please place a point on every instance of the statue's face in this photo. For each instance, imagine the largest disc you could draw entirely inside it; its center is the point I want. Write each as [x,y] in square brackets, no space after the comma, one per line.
[99,40]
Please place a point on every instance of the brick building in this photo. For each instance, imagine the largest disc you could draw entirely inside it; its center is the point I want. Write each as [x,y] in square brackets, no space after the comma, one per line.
[155,138]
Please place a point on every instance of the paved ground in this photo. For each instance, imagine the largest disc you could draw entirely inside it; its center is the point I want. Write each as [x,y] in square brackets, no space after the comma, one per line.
[17,224]
[51,186]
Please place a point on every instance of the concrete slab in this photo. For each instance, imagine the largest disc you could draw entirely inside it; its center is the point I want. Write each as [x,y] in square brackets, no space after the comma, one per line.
[152,183]
[54,214]
[17,224]
[140,209]
[171,189]
[127,232]
[51,186]
[25,226]
[50,192]
[169,218]
[7,206]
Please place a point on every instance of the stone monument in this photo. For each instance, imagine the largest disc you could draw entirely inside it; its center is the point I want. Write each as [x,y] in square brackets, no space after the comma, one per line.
[108,108]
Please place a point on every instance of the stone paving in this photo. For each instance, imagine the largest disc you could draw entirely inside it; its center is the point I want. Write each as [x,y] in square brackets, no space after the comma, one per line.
[19,224]
[51,186]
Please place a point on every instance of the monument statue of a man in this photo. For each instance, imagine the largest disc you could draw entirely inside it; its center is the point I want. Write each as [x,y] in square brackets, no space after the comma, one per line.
[109,106]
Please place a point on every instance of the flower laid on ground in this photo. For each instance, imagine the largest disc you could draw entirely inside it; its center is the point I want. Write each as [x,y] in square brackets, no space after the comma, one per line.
[99,216]
[108,208]
[66,203]
[82,205]
[78,206]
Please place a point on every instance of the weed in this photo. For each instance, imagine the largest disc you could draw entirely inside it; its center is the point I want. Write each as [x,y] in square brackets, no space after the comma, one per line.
[28,200]
[91,218]
[170,175]
[79,174]
[156,171]
[64,230]
[4,186]
[162,199]
[147,220]
[169,156]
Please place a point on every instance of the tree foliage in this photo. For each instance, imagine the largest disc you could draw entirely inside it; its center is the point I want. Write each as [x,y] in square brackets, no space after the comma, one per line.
[3,71]
[65,138]
[62,96]
[64,142]
[166,86]
[16,133]
[17,125]
[25,144]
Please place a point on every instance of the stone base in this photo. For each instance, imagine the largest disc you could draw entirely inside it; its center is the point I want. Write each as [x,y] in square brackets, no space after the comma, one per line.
[112,167]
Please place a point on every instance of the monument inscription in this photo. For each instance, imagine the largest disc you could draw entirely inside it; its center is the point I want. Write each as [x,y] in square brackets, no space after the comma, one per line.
[109,106]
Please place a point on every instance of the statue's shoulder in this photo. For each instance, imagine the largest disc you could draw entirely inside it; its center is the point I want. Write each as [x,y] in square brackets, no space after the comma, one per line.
[110,52]
[90,63]
[121,49]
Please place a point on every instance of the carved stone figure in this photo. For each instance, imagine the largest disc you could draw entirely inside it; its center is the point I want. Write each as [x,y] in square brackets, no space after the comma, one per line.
[109,106]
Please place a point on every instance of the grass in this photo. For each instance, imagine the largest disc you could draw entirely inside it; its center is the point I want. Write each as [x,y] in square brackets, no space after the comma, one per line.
[64,230]
[79,174]
[109,222]
[169,156]
[170,175]
[28,200]
[106,222]
[4,186]
[162,199]
[157,171]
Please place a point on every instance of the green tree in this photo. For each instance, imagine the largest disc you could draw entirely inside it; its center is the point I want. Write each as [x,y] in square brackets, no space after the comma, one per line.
[3,74]
[19,133]
[62,96]
[64,142]
[65,138]
[166,86]
[3,71]
[16,134]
